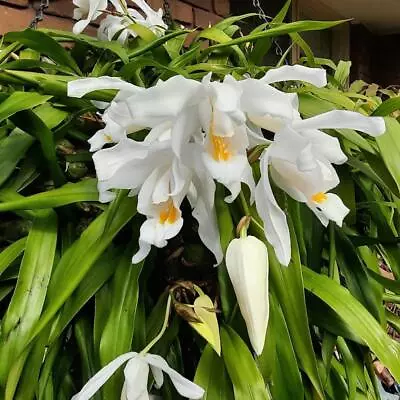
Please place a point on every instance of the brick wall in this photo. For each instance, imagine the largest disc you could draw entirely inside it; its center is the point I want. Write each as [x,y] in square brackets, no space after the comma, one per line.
[16,14]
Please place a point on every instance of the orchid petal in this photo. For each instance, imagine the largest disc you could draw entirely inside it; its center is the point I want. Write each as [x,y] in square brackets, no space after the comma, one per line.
[98,380]
[185,126]
[230,173]
[331,209]
[165,100]
[158,376]
[111,133]
[315,76]
[301,185]
[142,253]
[80,87]
[108,161]
[275,224]
[326,145]
[343,119]
[136,375]
[208,229]
[184,387]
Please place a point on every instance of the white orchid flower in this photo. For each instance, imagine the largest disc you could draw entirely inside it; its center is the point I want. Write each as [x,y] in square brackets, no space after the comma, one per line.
[300,160]
[247,265]
[87,11]
[269,108]
[170,102]
[311,142]
[117,26]
[136,374]
[226,139]
[161,180]
[150,18]
[113,132]
[152,171]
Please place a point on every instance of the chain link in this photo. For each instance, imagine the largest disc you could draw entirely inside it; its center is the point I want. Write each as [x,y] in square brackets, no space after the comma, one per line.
[267,19]
[39,14]
[167,13]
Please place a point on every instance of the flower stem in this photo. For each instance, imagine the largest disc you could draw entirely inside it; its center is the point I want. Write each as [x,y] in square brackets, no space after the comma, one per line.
[244,204]
[163,328]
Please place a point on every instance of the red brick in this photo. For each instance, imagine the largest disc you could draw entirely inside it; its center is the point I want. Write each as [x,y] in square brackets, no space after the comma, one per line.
[205,4]
[155,4]
[204,18]
[181,11]
[20,3]
[222,7]
[12,19]
[62,8]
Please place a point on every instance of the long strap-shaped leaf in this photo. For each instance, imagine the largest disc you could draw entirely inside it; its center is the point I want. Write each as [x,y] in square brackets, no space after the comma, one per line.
[355,315]
[80,257]
[85,190]
[248,383]
[288,285]
[30,292]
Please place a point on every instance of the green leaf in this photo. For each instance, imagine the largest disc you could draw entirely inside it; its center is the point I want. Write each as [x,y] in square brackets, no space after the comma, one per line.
[227,22]
[355,274]
[389,146]
[387,107]
[288,284]
[284,365]
[102,270]
[84,340]
[112,46]
[70,193]
[27,302]
[12,150]
[156,43]
[80,257]
[209,367]
[227,233]
[342,73]
[246,378]
[118,332]
[31,123]
[19,101]
[350,367]
[299,26]
[46,45]
[11,253]
[296,38]
[220,36]
[392,285]
[353,313]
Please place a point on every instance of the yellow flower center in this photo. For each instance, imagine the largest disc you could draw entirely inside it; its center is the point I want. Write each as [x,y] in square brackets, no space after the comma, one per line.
[220,149]
[319,197]
[108,138]
[169,213]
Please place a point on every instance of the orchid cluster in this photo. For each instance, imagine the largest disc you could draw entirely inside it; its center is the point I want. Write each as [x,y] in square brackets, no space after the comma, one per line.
[118,24]
[199,134]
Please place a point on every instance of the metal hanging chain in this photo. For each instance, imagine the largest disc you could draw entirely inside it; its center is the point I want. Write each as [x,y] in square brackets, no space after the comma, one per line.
[261,12]
[39,14]
[167,13]
[266,18]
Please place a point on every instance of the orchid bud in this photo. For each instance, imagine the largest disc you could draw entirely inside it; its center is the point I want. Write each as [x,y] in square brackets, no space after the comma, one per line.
[247,264]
